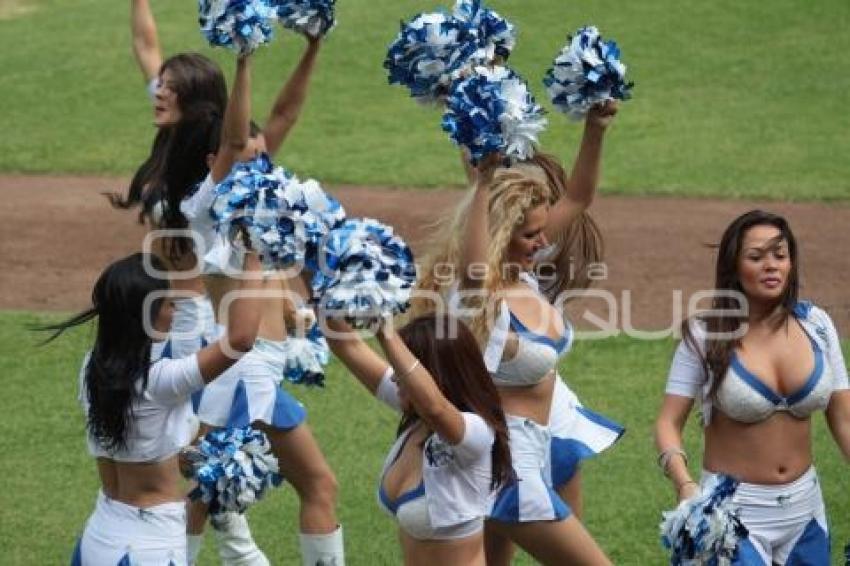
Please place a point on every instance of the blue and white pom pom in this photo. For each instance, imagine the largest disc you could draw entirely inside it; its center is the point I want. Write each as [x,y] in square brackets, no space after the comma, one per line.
[233,467]
[496,35]
[587,71]
[366,273]
[241,25]
[705,529]
[493,111]
[320,213]
[314,18]
[306,357]
[430,52]
[262,201]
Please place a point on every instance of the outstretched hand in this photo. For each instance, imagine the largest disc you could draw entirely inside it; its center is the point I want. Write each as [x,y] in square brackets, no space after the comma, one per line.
[486,168]
[602,114]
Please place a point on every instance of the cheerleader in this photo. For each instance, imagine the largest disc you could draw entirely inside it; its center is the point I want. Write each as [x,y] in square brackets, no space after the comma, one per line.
[760,375]
[250,393]
[137,409]
[505,225]
[451,451]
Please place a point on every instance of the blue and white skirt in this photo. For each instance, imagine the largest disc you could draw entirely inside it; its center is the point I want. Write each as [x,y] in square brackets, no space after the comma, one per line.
[577,434]
[531,497]
[118,534]
[250,391]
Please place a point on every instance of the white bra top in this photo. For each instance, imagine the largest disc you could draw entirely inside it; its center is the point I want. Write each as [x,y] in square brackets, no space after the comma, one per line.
[743,396]
[162,420]
[537,354]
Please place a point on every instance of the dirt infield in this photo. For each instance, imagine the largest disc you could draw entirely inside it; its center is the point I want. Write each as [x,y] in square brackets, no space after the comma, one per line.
[57,233]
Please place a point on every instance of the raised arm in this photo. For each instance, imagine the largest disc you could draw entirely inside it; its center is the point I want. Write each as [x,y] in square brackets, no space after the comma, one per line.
[476,238]
[243,323]
[416,382]
[584,178]
[237,121]
[363,362]
[290,99]
[145,39]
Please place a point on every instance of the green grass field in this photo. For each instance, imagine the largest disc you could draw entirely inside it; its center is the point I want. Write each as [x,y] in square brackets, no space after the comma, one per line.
[50,482]
[741,99]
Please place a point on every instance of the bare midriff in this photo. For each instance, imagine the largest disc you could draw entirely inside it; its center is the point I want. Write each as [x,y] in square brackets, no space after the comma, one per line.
[141,484]
[777,450]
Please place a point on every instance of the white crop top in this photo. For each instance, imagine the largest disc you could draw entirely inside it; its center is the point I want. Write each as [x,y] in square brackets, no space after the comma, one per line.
[162,414]
[537,354]
[218,255]
[455,478]
[743,397]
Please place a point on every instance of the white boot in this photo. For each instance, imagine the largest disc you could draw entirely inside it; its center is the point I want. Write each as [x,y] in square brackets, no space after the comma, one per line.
[236,546]
[322,550]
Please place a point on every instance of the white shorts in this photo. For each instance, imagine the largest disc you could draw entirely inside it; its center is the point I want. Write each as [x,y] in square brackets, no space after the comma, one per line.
[250,391]
[786,523]
[531,497]
[117,533]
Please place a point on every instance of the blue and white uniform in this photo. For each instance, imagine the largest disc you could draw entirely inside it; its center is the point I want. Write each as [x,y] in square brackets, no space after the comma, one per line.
[118,533]
[454,495]
[250,390]
[785,522]
[544,457]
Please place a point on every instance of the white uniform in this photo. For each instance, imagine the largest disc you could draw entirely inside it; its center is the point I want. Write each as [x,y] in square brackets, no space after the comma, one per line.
[544,457]
[117,533]
[786,523]
[454,495]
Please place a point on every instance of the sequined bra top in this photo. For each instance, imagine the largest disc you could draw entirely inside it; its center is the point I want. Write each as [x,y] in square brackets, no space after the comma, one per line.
[745,398]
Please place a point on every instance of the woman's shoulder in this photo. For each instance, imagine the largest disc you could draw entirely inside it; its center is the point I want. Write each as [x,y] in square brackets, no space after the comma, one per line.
[816,317]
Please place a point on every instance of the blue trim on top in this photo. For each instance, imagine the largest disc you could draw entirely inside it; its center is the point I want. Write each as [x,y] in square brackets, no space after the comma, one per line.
[406,497]
[802,309]
[196,400]
[755,383]
[166,351]
[125,560]
[558,345]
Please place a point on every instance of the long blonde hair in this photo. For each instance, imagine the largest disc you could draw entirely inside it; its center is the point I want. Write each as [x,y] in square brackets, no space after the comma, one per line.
[513,192]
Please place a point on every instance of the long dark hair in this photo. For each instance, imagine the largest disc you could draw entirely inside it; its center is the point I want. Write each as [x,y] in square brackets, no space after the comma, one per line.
[120,357]
[717,354]
[458,369]
[197,80]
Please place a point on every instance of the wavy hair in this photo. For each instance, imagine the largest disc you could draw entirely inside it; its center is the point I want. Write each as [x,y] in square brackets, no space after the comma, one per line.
[197,80]
[717,353]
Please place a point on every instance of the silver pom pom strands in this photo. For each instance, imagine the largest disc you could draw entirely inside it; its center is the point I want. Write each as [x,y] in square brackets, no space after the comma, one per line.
[314,18]
[434,49]
[366,273]
[306,357]
[496,35]
[586,72]
[284,218]
[234,467]
[492,110]
[241,25]
[704,529]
